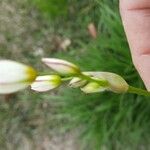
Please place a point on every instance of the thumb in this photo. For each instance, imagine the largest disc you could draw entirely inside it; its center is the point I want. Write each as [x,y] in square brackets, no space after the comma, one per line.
[136,19]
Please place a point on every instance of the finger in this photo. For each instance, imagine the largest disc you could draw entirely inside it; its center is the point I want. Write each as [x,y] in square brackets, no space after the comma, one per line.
[136,19]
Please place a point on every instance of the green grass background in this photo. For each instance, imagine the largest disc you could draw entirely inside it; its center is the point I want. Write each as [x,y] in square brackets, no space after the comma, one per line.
[103,120]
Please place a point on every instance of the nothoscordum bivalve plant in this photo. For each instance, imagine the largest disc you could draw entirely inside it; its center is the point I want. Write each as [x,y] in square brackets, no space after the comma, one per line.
[15,76]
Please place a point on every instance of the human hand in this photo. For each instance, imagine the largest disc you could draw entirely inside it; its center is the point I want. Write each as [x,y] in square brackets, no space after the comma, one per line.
[136,20]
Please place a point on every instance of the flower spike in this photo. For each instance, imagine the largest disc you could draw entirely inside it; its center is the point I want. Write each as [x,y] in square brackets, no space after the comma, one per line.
[15,76]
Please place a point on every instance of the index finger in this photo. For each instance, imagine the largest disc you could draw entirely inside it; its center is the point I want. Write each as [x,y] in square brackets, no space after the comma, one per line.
[136,19]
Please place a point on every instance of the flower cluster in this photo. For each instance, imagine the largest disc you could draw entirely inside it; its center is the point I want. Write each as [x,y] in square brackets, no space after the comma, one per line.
[15,76]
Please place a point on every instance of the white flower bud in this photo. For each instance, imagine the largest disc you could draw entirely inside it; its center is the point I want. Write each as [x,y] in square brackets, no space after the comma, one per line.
[116,83]
[46,83]
[15,76]
[93,87]
[61,66]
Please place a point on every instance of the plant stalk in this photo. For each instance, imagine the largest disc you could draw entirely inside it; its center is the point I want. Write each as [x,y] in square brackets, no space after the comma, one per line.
[138,91]
[88,78]
[66,79]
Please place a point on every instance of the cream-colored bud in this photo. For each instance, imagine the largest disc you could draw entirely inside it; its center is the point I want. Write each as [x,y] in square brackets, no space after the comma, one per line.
[46,83]
[116,83]
[61,66]
[15,76]
[93,87]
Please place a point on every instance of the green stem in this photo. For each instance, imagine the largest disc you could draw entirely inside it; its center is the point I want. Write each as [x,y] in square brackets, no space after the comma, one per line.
[138,91]
[66,78]
[88,78]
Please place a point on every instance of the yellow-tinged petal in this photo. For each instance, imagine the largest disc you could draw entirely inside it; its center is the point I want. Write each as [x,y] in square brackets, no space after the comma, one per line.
[46,83]
[31,74]
[61,66]
[15,76]
[93,87]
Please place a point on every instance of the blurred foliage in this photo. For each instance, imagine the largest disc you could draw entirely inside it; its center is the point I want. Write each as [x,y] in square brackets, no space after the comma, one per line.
[108,120]
[102,121]
[52,8]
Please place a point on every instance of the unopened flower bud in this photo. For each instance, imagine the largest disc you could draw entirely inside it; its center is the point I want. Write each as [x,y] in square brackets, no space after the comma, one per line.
[116,83]
[93,87]
[15,76]
[61,66]
[46,83]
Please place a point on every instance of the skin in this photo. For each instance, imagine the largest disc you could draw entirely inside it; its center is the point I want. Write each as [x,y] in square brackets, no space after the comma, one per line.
[136,20]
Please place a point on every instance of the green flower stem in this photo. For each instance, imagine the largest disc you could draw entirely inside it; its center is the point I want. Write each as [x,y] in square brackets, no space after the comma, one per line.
[88,78]
[66,79]
[138,91]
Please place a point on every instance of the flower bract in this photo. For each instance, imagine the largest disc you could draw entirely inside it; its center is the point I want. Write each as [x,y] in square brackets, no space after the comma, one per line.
[77,82]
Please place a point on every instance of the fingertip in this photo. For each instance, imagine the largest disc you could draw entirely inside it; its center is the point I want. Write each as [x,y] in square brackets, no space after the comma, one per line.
[142,64]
